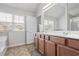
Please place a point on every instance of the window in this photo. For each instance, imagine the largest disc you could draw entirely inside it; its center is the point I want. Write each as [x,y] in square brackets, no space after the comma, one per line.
[45,22]
[18,19]
[11,22]
[4,17]
[48,25]
[5,21]
[51,25]
[9,18]
[18,23]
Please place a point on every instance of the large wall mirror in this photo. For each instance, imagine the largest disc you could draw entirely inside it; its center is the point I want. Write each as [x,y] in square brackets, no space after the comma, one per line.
[55,17]
[61,17]
[73,16]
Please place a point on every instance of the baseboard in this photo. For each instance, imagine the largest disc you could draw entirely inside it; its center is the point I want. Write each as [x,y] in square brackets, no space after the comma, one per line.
[30,44]
[16,45]
[20,44]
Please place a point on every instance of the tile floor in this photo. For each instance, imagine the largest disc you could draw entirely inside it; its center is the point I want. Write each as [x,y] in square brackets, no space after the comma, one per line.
[23,50]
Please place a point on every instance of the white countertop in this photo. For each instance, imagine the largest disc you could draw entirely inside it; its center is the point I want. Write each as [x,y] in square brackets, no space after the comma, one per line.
[72,34]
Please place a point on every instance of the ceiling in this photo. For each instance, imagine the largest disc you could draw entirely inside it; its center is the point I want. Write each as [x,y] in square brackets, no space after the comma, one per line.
[56,11]
[30,7]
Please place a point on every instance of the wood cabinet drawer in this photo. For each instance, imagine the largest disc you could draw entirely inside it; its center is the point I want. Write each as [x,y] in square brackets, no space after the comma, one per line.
[73,43]
[46,47]
[66,51]
[59,40]
[46,37]
[36,43]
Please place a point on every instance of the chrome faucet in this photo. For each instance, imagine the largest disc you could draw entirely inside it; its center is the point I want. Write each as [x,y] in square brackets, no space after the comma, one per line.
[65,33]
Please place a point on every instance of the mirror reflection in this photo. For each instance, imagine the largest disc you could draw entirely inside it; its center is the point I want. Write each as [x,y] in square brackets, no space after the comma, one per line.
[55,18]
[73,16]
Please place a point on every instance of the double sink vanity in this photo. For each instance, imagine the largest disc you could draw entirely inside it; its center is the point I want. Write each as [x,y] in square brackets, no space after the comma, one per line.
[55,44]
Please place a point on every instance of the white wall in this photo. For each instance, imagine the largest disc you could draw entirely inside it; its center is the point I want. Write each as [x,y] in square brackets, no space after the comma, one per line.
[63,23]
[31,28]
[39,12]
[56,24]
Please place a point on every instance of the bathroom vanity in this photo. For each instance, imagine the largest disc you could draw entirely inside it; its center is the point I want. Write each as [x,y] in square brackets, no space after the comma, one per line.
[59,35]
[57,45]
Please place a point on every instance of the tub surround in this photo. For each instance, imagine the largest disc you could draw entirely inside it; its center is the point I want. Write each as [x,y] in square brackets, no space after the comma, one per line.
[3,45]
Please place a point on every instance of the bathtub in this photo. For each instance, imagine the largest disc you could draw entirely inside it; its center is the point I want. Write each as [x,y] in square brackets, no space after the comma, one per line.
[3,45]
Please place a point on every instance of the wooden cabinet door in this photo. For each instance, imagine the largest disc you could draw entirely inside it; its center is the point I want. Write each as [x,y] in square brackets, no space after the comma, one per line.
[49,48]
[46,47]
[41,45]
[66,51]
[36,42]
